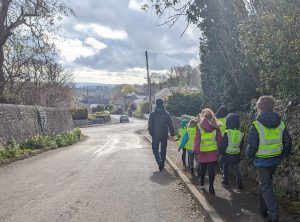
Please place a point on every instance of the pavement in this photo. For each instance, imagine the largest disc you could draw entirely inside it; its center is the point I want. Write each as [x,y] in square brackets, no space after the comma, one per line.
[230,203]
[111,176]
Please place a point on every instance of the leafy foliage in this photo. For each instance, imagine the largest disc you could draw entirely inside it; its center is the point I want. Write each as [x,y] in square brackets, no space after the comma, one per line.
[270,39]
[12,149]
[52,142]
[247,48]
[99,108]
[79,114]
[180,103]
[145,107]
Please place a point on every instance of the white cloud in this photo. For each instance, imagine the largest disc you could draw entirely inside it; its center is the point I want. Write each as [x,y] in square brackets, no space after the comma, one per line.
[195,62]
[95,44]
[72,49]
[135,5]
[101,31]
[134,75]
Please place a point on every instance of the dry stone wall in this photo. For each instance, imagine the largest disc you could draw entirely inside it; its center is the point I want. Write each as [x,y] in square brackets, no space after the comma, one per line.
[20,122]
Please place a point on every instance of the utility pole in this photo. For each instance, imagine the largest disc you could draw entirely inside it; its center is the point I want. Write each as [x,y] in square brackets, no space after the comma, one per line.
[149,82]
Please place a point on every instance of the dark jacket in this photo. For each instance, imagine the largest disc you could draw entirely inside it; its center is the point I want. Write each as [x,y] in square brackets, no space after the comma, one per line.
[160,123]
[269,120]
[232,122]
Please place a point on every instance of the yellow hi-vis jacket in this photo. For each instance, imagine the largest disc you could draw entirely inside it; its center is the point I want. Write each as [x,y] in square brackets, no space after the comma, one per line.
[181,133]
[208,141]
[234,141]
[192,134]
[270,140]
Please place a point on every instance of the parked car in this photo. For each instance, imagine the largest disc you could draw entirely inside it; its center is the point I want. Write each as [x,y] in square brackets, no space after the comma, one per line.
[124,119]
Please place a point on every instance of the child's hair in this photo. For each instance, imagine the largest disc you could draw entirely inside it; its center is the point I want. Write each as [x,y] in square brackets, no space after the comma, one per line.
[192,123]
[265,104]
[210,116]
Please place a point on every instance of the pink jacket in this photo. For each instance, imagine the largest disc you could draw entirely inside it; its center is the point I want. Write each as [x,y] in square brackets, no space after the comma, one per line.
[206,157]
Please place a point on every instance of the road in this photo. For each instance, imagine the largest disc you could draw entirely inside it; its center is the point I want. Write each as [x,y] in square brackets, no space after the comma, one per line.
[111,176]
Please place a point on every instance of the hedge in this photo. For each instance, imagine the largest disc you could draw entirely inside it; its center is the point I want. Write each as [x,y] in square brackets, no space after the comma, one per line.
[79,114]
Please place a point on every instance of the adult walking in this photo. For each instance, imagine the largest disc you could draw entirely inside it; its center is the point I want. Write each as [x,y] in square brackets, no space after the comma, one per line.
[159,125]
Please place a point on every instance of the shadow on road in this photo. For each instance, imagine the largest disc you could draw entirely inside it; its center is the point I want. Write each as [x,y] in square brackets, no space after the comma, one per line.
[163,178]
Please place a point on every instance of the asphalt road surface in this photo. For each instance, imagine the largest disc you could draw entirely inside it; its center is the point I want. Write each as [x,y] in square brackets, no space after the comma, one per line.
[111,176]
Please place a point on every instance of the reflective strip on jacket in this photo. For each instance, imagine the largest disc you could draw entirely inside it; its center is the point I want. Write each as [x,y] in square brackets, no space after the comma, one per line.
[192,134]
[270,140]
[208,141]
[223,125]
[234,141]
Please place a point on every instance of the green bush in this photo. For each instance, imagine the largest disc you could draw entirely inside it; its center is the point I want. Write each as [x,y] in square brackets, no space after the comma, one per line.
[145,107]
[99,108]
[79,114]
[102,115]
[12,149]
[180,103]
[138,113]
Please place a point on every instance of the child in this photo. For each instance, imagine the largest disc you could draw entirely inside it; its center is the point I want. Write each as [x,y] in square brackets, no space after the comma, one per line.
[181,132]
[208,139]
[221,115]
[268,143]
[188,142]
[231,146]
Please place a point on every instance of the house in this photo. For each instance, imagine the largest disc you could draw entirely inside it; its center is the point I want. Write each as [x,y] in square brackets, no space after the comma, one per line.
[140,99]
[119,104]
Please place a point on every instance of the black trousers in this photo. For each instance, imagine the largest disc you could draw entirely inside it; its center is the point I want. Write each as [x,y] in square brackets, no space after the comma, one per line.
[183,157]
[159,148]
[210,167]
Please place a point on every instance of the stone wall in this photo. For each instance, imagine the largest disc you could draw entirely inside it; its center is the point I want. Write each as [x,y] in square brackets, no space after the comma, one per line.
[21,122]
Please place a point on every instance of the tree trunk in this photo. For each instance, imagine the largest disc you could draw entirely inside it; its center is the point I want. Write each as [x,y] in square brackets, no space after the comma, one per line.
[2,77]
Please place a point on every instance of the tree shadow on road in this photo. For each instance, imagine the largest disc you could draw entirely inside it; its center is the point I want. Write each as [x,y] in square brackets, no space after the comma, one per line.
[162,177]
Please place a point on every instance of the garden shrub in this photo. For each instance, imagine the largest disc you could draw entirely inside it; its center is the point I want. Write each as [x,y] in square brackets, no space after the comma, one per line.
[99,108]
[180,103]
[79,114]
[145,107]
[12,149]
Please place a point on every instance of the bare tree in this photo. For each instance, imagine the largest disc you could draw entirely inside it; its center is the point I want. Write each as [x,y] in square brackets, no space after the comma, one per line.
[32,18]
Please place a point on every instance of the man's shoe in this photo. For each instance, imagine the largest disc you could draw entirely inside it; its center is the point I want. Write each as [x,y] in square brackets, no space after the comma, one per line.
[161,167]
[201,180]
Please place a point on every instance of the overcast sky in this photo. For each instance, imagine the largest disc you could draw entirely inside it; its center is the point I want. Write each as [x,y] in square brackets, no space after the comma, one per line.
[106,42]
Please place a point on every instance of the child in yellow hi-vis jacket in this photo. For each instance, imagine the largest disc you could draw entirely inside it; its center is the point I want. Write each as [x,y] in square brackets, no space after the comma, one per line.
[231,146]
[187,142]
[181,132]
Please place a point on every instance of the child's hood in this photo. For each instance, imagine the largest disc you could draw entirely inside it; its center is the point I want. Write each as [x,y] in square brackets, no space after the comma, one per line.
[269,119]
[222,112]
[183,123]
[232,121]
[207,126]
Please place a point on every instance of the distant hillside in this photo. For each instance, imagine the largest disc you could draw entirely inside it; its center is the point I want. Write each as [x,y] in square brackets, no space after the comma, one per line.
[83,85]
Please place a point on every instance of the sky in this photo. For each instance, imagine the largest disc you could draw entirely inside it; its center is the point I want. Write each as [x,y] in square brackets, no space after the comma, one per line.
[106,42]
